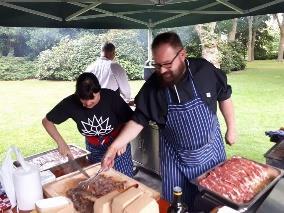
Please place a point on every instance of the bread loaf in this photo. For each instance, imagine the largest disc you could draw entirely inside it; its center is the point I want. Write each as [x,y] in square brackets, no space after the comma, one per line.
[121,201]
[67,209]
[143,204]
[103,204]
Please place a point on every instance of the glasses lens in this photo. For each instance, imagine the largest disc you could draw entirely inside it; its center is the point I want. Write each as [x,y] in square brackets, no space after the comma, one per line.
[156,66]
[167,65]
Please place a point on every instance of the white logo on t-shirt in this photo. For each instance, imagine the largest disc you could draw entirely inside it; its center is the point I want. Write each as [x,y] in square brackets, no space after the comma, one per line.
[96,127]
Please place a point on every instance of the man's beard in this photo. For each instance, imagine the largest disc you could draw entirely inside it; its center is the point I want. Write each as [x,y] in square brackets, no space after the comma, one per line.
[170,78]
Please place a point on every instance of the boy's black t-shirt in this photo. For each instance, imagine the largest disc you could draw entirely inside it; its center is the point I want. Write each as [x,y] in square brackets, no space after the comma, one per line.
[110,112]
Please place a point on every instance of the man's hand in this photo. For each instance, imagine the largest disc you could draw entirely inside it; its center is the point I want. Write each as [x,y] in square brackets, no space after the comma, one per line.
[121,151]
[230,137]
[108,159]
[64,150]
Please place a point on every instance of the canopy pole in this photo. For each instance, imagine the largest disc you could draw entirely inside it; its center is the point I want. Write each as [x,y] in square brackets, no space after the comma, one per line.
[150,39]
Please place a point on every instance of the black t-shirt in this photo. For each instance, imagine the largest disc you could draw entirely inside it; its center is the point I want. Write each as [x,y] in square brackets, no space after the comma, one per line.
[110,112]
[210,83]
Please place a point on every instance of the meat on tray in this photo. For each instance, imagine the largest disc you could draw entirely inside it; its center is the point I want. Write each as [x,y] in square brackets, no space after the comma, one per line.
[53,158]
[238,179]
[4,200]
[83,198]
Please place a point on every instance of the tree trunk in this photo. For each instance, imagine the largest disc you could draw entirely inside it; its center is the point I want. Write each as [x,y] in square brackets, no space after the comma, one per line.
[281,41]
[249,45]
[253,45]
[209,42]
[281,46]
[232,33]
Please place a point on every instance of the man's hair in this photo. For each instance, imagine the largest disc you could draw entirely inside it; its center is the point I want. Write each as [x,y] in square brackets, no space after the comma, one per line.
[87,84]
[108,47]
[170,38]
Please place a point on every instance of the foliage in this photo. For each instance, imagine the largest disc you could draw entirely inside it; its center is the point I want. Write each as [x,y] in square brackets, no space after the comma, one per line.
[134,71]
[192,45]
[266,45]
[70,57]
[29,42]
[231,58]
[259,26]
[12,41]
[224,27]
[130,52]
[265,41]
[189,38]
[42,39]
[12,68]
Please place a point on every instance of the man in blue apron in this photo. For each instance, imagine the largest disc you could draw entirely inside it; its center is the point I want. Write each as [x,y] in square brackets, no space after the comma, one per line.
[181,97]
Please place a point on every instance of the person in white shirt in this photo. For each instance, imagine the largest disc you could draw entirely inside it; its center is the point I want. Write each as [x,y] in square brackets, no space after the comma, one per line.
[109,73]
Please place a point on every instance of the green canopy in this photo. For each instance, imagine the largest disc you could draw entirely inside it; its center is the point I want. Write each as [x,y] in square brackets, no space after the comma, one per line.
[125,14]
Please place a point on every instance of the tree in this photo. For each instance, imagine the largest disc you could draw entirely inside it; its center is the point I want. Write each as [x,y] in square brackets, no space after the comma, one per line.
[249,44]
[232,33]
[22,41]
[281,40]
[42,39]
[231,50]
[189,38]
[256,26]
[209,40]
[7,40]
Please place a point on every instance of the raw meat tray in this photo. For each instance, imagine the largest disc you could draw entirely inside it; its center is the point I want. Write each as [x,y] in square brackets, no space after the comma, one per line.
[45,161]
[215,197]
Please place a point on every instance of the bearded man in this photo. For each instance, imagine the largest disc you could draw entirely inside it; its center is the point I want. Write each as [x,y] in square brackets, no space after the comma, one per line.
[181,97]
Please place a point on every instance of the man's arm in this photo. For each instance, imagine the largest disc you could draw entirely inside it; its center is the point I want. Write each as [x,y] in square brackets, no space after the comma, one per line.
[128,133]
[122,80]
[227,110]
[53,132]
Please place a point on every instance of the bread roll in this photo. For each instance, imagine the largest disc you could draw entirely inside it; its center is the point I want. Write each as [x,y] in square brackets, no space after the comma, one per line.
[52,205]
[143,204]
[121,201]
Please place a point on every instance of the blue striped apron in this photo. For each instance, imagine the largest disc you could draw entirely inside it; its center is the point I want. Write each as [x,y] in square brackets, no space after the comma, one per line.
[190,144]
[122,163]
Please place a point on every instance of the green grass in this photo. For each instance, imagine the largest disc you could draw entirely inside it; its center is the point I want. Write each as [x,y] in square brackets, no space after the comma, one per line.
[257,95]
[259,106]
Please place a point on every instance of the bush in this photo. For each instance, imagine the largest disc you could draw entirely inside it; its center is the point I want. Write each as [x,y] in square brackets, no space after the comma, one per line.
[69,58]
[193,50]
[231,57]
[134,71]
[15,68]
[263,54]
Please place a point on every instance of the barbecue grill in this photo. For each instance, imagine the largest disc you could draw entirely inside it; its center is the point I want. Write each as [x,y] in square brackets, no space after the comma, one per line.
[275,155]
[145,149]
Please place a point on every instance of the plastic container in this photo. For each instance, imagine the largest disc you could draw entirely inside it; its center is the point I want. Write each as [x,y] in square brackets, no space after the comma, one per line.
[28,186]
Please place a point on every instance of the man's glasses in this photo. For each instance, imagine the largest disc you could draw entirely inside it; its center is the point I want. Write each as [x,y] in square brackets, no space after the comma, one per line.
[166,65]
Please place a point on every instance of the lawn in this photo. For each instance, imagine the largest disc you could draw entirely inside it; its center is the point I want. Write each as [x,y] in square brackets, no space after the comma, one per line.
[257,95]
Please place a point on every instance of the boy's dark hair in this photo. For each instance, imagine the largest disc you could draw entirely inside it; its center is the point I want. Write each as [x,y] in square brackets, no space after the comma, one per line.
[108,47]
[87,84]
[167,38]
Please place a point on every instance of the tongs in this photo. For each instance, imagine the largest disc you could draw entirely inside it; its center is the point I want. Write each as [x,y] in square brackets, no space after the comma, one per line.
[87,183]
